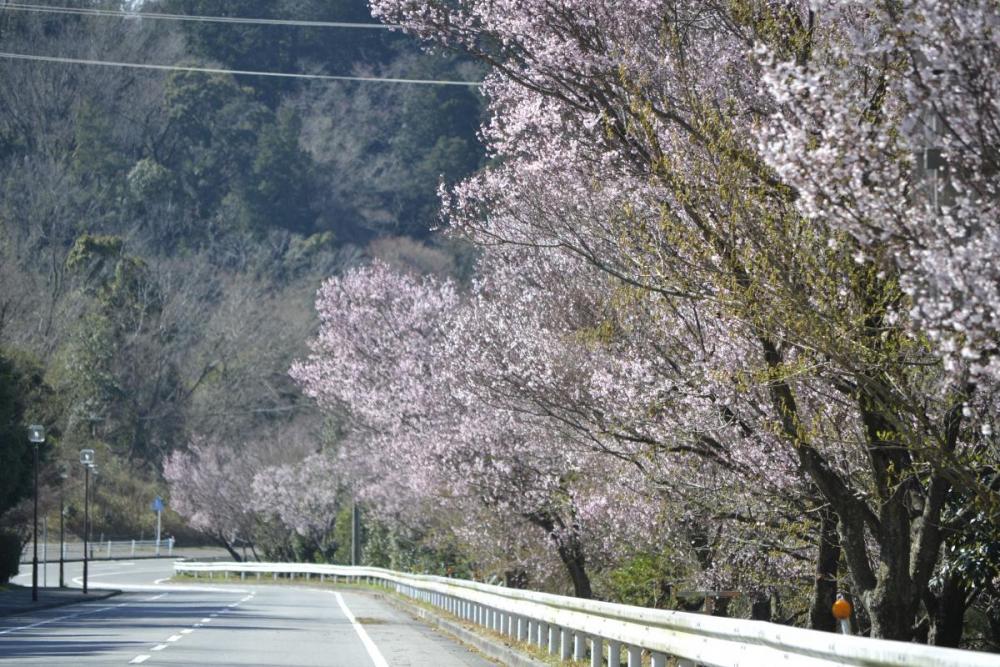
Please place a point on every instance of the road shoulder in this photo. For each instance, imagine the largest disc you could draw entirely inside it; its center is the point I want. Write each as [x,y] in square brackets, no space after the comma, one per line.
[17,599]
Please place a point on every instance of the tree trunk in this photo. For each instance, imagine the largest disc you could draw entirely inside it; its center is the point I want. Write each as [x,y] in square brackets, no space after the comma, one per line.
[948,617]
[825,587]
[572,557]
[230,548]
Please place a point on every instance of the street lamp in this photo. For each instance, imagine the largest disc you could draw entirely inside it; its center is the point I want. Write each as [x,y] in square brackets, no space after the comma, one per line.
[63,475]
[36,435]
[87,459]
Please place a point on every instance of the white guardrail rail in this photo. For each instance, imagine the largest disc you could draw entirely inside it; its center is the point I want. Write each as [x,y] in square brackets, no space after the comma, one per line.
[101,550]
[573,628]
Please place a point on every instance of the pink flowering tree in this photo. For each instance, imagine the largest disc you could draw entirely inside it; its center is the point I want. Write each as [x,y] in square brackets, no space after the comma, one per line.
[211,486]
[304,496]
[647,143]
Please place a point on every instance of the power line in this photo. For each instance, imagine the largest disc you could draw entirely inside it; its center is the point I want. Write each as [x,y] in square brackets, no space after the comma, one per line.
[90,11]
[217,70]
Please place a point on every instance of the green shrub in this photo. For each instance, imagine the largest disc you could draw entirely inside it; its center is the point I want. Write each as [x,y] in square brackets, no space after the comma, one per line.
[10,556]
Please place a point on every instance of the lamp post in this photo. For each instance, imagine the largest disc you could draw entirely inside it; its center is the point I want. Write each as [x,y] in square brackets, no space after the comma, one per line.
[62,523]
[36,435]
[87,459]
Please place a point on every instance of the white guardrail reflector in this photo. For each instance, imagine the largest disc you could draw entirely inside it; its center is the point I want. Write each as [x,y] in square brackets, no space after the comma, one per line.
[569,625]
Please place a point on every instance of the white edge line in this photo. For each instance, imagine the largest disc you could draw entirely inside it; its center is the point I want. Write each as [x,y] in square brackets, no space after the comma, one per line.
[158,647]
[373,651]
[139,659]
[173,638]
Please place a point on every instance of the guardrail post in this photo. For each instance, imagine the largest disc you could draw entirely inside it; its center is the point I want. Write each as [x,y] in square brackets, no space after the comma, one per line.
[553,639]
[579,646]
[634,656]
[109,549]
[133,548]
[614,654]
[258,576]
[243,576]
[565,643]
[597,652]
[522,628]
[658,660]
[542,634]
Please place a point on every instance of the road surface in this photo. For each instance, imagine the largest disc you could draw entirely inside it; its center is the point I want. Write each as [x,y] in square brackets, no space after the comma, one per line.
[157,623]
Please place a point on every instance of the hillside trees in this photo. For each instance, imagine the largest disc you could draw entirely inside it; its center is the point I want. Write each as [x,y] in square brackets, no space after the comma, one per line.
[161,235]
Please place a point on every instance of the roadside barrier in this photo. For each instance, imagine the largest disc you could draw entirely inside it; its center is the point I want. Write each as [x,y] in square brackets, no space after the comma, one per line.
[604,632]
[102,550]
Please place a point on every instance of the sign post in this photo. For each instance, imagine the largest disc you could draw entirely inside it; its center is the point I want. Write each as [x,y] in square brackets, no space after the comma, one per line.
[157,506]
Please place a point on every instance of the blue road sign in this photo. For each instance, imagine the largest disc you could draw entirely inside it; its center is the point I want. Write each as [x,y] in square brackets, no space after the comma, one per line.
[158,504]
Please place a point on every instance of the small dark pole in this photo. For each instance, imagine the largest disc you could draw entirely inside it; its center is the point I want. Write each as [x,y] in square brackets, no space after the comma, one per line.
[355,535]
[62,533]
[34,560]
[86,521]
[36,435]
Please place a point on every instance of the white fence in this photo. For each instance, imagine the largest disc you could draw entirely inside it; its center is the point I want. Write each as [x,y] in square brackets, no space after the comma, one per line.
[575,629]
[104,549]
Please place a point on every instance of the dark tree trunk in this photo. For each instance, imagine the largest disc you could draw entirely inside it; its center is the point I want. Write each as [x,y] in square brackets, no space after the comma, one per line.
[760,606]
[569,549]
[572,557]
[825,587]
[230,548]
[948,617]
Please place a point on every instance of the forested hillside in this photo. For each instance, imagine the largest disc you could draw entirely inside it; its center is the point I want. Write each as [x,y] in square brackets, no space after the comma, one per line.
[162,234]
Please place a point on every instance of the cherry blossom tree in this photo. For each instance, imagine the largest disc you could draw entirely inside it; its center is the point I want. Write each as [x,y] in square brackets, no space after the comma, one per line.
[643,142]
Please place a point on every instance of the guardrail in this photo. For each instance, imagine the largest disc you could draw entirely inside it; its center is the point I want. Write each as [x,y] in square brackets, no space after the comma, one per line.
[575,629]
[103,550]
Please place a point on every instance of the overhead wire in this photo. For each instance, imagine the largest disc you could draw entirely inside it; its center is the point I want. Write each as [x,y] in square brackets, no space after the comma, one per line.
[117,13]
[219,70]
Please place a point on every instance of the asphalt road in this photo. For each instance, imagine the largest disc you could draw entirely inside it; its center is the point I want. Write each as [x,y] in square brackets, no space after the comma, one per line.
[154,623]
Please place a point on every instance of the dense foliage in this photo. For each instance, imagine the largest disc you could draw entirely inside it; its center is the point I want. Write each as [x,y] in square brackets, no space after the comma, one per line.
[162,235]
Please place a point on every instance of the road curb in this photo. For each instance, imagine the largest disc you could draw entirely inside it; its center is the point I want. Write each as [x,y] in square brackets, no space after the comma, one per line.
[102,595]
[505,654]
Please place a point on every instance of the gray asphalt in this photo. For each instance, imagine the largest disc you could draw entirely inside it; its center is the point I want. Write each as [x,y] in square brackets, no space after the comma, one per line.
[154,622]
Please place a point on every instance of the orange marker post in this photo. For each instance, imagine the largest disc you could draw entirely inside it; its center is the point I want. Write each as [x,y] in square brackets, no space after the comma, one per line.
[842,612]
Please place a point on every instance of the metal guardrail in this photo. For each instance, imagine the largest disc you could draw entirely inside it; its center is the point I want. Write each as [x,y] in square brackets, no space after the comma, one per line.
[103,550]
[575,628]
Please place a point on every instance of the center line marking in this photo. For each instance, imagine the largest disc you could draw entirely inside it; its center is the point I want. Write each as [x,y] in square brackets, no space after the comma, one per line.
[158,647]
[373,651]
[173,638]
[186,631]
[206,620]
[138,659]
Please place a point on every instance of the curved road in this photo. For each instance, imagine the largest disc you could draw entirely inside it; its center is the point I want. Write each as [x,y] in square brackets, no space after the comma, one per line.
[158,623]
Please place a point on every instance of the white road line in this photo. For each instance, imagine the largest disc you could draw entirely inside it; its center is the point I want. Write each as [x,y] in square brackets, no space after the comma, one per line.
[138,660]
[213,615]
[156,597]
[206,620]
[373,651]
[35,625]
[160,581]
[158,647]
[7,631]
[173,638]
[187,631]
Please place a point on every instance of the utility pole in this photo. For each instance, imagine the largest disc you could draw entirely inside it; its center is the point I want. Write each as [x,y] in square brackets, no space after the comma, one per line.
[36,435]
[355,535]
